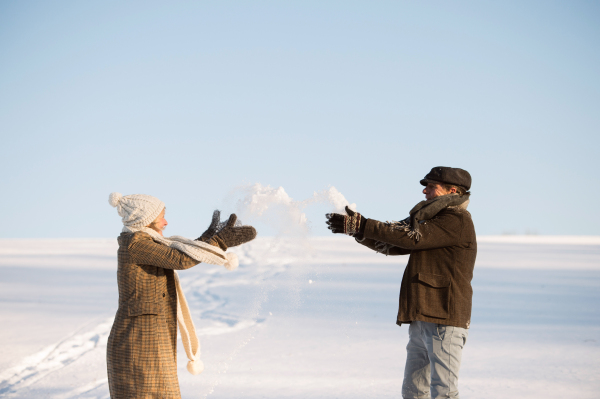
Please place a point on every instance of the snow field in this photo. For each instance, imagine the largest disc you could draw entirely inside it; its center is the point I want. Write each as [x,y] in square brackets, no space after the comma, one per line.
[306,318]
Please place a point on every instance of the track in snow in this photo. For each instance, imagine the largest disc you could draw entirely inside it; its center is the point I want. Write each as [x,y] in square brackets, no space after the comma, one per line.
[207,306]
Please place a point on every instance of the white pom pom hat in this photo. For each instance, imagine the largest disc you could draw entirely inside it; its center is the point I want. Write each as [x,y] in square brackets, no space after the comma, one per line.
[136,210]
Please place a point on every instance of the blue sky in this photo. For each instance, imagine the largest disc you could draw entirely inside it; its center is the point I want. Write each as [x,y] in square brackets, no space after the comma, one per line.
[188,100]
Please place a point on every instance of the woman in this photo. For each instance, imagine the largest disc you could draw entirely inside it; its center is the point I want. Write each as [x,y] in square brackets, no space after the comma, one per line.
[142,346]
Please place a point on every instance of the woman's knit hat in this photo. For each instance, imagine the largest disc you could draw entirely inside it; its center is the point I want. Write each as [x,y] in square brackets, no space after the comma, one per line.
[137,210]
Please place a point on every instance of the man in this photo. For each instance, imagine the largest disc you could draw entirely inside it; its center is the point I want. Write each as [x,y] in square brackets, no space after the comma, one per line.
[436,293]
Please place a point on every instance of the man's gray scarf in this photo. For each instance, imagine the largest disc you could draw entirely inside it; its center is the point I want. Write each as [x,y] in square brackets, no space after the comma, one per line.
[426,210]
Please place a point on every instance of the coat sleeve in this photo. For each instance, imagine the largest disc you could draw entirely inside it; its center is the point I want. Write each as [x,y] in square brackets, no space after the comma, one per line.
[144,251]
[391,250]
[442,231]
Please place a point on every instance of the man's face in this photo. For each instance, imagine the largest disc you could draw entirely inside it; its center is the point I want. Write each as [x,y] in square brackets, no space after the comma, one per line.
[433,190]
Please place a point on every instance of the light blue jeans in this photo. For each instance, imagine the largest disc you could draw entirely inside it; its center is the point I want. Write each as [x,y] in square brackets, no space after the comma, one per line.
[433,360]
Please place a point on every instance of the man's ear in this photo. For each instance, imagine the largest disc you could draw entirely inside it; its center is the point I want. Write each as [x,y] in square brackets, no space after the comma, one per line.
[452,190]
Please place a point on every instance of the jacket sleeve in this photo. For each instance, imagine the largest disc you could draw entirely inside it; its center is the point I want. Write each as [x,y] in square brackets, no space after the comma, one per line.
[390,250]
[144,251]
[442,231]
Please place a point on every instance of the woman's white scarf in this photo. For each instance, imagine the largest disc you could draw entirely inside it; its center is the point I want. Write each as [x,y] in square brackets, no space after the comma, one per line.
[201,252]
[196,250]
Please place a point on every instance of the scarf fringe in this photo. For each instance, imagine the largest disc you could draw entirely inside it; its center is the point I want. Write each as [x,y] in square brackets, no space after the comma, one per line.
[382,247]
[426,210]
[404,225]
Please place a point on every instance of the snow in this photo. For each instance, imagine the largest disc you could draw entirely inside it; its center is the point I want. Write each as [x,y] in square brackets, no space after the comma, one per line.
[284,216]
[307,317]
[535,239]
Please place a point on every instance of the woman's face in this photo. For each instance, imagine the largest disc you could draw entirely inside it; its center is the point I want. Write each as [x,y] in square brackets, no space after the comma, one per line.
[159,224]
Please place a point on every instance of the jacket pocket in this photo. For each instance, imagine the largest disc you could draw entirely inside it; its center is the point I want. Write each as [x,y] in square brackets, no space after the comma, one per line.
[137,308]
[433,295]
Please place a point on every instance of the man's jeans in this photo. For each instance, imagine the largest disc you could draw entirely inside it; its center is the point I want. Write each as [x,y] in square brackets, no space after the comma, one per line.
[433,360]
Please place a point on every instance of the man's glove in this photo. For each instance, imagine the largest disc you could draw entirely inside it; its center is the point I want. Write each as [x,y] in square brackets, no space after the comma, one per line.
[227,234]
[352,224]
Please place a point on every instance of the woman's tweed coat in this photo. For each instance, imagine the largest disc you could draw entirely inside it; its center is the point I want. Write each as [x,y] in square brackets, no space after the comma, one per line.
[142,346]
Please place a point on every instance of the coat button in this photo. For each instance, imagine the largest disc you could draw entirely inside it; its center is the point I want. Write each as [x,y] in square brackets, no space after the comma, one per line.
[163,294]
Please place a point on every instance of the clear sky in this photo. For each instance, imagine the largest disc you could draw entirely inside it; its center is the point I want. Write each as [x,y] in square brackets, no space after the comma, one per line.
[188,100]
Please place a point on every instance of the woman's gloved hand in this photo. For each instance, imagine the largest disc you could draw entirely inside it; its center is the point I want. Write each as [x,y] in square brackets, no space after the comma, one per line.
[233,235]
[352,223]
[227,234]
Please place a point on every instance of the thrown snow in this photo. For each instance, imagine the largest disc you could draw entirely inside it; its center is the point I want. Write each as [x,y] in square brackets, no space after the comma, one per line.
[335,198]
[277,209]
[266,331]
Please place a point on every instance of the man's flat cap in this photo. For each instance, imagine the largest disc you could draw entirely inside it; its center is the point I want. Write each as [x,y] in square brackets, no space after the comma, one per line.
[444,174]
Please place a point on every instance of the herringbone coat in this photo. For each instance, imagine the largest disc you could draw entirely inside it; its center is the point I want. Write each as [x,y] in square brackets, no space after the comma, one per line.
[142,346]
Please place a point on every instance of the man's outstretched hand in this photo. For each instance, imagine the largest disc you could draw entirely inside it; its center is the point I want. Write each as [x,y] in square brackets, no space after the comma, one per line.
[351,224]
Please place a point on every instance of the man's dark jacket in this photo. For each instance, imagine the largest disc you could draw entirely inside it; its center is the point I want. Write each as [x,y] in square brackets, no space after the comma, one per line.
[436,286]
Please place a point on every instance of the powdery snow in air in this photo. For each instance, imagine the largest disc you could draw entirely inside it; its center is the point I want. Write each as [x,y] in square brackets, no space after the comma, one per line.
[275,208]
